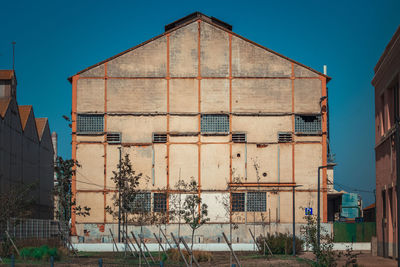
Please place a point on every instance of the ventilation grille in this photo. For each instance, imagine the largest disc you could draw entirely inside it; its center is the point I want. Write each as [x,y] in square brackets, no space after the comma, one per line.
[239,138]
[159,138]
[114,138]
[285,137]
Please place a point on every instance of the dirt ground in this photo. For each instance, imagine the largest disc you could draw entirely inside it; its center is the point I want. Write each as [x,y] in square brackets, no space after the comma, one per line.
[247,259]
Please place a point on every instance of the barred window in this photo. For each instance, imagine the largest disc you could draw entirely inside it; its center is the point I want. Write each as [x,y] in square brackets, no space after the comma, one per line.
[256,201]
[139,202]
[160,202]
[90,123]
[215,123]
[308,124]
[238,200]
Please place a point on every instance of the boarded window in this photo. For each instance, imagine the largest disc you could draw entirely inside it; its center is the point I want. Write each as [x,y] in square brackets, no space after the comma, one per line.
[90,123]
[308,124]
[114,138]
[238,201]
[160,202]
[239,137]
[214,123]
[256,201]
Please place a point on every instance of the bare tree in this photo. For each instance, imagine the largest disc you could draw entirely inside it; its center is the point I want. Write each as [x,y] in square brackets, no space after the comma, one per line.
[194,213]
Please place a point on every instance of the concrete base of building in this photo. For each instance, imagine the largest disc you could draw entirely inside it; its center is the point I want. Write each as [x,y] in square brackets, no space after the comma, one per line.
[209,233]
[110,247]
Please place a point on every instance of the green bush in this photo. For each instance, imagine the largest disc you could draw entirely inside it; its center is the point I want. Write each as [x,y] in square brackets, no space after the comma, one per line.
[39,253]
[279,244]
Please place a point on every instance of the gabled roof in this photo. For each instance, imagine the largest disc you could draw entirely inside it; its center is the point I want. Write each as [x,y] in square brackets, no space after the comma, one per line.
[24,112]
[6,74]
[192,18]
[4,103]
[40,125]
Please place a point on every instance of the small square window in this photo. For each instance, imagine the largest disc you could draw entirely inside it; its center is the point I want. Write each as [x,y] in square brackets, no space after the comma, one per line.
[90,123]
[139,202]
[256,201]
[238,200]
[160,202]
[215,123]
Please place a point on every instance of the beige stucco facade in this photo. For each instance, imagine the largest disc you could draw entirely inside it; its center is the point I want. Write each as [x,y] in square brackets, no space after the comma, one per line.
[165,86]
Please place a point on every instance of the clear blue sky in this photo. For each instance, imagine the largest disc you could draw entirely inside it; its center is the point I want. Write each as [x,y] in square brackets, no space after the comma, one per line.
[56,39]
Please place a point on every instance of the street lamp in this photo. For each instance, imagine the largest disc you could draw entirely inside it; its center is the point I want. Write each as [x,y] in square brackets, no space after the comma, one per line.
[319,204]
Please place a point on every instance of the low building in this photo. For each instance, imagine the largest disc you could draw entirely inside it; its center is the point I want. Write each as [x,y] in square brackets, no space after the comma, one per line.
[26,150]
[387,145]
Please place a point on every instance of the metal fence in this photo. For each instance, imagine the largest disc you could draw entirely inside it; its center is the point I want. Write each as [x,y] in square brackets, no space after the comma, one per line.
[33,228]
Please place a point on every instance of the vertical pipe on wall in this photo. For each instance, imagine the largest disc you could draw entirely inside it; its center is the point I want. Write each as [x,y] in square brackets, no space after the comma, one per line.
[152,164]
[245,161]
[278,211]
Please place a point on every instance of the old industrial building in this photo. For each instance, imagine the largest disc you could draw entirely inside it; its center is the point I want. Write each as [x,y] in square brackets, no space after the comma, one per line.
[247,123]
[387,145]
[26,150]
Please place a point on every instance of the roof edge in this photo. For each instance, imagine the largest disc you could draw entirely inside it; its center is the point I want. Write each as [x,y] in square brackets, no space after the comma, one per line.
[195,18]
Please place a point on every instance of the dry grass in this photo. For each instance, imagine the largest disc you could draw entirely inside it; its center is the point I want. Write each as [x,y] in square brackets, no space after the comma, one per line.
[201,256]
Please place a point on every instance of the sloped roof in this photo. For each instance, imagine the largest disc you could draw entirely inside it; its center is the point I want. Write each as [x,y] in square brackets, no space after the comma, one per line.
[24,112]
[40,125]
[6,74]
[212,21]
[4,103]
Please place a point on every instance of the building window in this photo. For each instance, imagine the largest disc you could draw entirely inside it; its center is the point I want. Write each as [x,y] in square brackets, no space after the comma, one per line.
[238,201]
[90,123]
[139,202]
[160,202]
[308,124]
[215,123]
[256,201]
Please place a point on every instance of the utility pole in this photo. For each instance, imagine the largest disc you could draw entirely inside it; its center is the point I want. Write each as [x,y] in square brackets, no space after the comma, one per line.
[119,198]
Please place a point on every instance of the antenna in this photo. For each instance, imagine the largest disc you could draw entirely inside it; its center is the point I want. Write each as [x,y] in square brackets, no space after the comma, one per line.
[13,46]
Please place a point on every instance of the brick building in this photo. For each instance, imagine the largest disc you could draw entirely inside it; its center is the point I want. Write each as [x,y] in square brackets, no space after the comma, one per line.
[386,82]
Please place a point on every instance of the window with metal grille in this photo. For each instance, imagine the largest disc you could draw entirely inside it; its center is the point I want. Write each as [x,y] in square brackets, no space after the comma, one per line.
[238,200]
[114,138]
[90,123]
[239,137]
[160,202]
[214,123]
[256,201]
[308,124]
[139,202]
[284,137]
[159,138]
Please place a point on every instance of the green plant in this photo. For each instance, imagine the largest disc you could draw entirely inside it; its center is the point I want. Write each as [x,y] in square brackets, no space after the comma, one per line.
[324,254]
[39,253]
[201,256]
[279,243]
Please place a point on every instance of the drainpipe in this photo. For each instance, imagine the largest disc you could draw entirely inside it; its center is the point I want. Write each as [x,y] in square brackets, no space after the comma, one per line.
[279,180]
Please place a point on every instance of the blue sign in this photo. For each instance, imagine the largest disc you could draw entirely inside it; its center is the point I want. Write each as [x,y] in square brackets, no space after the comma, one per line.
[308,211]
